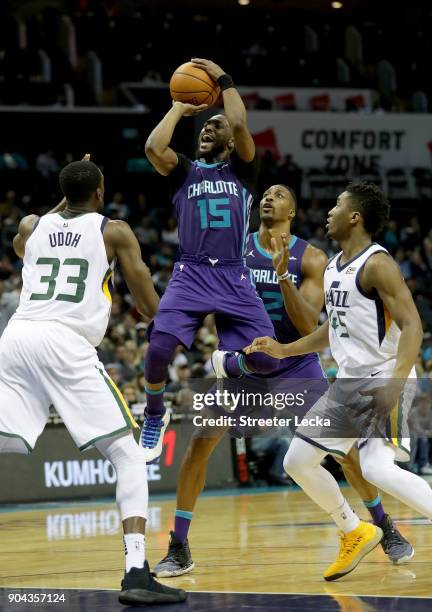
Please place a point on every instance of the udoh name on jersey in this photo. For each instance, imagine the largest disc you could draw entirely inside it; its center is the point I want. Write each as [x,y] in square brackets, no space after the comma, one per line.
[64,239]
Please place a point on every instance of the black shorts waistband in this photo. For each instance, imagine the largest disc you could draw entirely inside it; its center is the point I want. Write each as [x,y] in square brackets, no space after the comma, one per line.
[213,262]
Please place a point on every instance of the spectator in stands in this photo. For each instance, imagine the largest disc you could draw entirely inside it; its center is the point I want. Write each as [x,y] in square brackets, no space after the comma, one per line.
[170,234]
[12,162]
[319,239]
[272,450]
[289,173]
[146,234]
[114,371]
[316,214]
[411,234]
[117,209]
[130,394]
[126,359]
[391,238]
[47,164]
[405,265]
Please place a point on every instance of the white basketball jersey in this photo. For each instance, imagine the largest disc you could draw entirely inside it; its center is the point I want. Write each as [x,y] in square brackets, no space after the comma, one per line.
[66,275]
[363,337]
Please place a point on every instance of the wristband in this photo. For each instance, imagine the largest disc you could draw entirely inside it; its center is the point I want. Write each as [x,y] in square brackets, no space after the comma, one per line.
[284,276]
[225,82]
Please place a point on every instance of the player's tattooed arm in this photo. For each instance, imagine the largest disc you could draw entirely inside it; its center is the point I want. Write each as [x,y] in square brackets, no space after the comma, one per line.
[161,156]
[382,274]
[25,229]
[316,341]
[235,111]
[121,243]
[302,305]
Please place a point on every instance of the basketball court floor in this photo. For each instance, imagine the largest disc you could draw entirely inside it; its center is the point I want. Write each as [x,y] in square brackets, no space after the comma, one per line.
[254,550]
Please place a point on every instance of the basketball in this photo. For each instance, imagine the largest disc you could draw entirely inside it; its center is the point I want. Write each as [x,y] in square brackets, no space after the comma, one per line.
[193,85]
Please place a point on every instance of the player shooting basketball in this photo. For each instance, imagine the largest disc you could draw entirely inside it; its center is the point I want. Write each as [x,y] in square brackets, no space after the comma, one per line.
[212,197]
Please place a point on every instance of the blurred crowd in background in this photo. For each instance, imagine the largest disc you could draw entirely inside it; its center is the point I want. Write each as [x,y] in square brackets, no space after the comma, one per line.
[32,186]
[81,51]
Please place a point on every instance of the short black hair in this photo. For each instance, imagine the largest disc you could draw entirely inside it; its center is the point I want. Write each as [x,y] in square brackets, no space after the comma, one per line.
[79,181]
[292,193]
[373,205]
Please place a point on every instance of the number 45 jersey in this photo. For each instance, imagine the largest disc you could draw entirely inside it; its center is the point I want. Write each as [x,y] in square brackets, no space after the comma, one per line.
[66,275]
[363,337]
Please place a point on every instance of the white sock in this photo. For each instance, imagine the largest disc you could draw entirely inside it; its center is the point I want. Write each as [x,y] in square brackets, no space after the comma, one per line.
[134,550]
[345,517]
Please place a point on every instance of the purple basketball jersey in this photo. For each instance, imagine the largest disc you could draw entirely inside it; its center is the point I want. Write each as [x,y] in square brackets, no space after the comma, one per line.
[213,205]
[267,286]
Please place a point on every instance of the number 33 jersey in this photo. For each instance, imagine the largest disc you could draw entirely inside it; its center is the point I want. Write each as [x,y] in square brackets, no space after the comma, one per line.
[66,275]
[363,337]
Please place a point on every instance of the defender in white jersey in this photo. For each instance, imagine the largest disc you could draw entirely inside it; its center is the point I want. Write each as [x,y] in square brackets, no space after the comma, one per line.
[48,356]
[375,333]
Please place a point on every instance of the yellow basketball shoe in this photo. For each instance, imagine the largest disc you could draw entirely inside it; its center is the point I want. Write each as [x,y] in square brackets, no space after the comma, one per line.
[353,547]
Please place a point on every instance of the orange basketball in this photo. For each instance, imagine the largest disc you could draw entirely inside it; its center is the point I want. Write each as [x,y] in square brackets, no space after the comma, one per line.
[193,85]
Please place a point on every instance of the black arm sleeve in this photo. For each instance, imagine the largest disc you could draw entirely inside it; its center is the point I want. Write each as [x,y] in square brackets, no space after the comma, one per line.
[247,172]
[178,176]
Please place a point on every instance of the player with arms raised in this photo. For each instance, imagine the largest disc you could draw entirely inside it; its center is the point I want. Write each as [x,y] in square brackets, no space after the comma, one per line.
[212,199]
[374,332]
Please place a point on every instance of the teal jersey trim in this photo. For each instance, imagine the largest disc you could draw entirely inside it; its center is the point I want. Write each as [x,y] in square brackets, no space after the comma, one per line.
[245,233]
[204,165]
[292,241]
[259,247]
[264,252]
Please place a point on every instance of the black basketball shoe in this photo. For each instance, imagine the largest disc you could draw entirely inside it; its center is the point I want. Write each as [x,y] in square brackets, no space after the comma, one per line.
[394,544]
[178,560]
[139,587]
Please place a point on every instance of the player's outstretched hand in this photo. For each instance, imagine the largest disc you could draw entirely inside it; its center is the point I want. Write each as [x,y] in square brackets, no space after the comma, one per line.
[213,70]
[265,345]
[86,157]
[189,110]
[279,251]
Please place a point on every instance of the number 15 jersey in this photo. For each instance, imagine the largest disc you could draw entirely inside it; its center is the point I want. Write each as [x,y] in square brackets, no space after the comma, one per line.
[212,203]
[66,275]
[363,337]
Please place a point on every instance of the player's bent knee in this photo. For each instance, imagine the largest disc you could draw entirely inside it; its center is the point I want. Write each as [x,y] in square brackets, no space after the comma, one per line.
[262,363]
[159,355]
[292,463]
[129,463]
[122,449]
